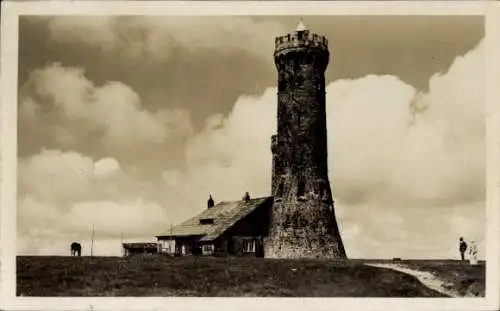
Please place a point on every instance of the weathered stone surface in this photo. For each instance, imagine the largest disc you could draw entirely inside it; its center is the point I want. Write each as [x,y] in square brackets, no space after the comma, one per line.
[303,223]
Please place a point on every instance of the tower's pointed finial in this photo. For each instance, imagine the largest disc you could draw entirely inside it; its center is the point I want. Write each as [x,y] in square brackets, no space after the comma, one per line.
[301,26]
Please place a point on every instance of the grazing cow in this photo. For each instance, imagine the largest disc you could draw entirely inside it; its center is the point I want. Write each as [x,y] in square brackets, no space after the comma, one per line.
[76,249]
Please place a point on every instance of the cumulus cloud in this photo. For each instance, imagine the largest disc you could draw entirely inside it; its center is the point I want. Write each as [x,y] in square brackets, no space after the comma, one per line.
[156,37]
[54,173]
[233,155]
[407,169]
[61,104]
[62,194]
[106,167]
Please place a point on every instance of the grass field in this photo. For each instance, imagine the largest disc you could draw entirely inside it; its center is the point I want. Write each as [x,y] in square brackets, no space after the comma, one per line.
[226,277]
[464,278]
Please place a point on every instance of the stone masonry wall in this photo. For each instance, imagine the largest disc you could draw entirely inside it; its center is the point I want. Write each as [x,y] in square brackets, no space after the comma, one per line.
[303,223]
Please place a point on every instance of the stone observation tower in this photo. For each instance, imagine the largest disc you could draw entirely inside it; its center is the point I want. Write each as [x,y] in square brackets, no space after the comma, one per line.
[303,223]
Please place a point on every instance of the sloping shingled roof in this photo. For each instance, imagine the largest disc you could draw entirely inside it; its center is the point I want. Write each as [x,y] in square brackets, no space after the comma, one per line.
[224,214]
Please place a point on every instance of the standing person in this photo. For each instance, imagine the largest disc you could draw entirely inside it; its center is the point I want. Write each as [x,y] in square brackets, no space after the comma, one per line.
[473,253]
[462,248]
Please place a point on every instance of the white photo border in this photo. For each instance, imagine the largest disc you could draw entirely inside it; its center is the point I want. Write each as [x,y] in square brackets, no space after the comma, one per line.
[8,135]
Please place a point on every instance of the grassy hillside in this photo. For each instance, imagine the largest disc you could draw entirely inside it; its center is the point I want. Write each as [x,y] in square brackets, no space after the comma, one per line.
[162,276]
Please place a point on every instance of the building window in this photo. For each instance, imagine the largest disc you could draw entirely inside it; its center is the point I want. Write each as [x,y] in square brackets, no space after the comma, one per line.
[280,189]
[249,246]
[208,249]
[168,246]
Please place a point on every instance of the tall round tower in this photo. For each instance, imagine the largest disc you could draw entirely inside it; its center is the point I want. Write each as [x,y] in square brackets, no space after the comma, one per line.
[303,223]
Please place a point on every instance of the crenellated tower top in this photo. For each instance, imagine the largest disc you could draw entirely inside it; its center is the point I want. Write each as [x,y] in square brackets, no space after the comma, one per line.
[299,39]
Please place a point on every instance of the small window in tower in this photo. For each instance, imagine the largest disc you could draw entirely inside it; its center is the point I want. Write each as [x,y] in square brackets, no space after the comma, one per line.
[321,187]
[280,190]
[309,58]
[281,85]
[299,81]
[301,189]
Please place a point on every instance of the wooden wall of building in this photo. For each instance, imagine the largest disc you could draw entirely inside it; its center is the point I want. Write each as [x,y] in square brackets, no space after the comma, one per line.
[253,227]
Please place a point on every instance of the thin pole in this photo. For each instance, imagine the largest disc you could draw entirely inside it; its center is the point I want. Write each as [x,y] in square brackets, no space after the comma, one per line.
[121,241]
[92,243]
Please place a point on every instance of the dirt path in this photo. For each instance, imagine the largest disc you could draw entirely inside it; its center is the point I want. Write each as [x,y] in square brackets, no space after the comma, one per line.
[427,278]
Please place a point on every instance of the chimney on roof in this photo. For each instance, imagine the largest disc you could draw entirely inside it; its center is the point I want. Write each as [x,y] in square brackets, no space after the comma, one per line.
[246,197]
[210,202]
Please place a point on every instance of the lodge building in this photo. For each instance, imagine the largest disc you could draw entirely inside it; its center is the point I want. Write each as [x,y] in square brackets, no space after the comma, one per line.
[235,228]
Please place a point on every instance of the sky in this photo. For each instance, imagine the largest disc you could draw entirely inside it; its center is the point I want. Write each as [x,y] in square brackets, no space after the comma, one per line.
[128,123]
